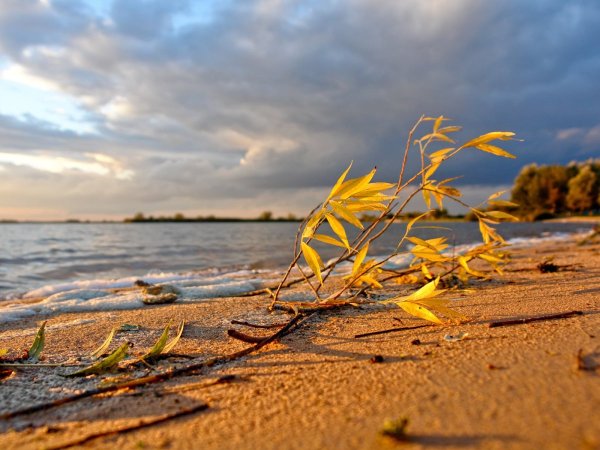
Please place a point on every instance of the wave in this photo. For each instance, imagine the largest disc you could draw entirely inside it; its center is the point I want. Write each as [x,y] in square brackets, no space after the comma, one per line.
[118,294]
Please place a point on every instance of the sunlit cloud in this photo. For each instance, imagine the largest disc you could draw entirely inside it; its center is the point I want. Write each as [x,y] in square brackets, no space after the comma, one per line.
[102,165]
[19,74]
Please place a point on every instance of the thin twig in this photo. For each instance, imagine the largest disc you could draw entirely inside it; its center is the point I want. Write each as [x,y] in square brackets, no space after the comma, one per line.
[244,337]
[390,330]
[506,323]
[255,325]
[141,424]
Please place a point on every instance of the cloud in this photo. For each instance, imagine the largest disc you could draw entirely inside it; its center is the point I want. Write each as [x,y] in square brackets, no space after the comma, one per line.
[242,99]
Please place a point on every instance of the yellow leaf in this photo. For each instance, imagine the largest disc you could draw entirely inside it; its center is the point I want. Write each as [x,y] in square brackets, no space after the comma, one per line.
[350,187]
[427,197]
[425,292]
[490,258]
[485,138]
[440,305]
[356,206]
[313,260]
[494,150]
[502,215]
[410,224]
[436,244]
[337,228]
[503,203]
[311,225]
[432,169]
[339,182]
[345,214]
[495,195]
[371,281]
[439,155]
[437,136]
[451,129]
[378,187]
[429,255]
[463,262]
[358,260]
[437,123]
[426,272]
[328,240]
[418,311]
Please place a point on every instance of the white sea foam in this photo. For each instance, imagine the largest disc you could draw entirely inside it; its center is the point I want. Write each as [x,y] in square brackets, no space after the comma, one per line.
[100,295]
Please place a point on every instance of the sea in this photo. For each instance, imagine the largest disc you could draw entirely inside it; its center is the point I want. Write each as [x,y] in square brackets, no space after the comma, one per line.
[74,266]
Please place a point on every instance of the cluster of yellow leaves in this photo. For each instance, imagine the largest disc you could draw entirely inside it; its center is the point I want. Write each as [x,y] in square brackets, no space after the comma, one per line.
[488,218]
[346,199]
[430,249]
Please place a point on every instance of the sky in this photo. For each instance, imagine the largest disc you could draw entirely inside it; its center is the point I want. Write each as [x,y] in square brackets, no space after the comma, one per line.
[226,107]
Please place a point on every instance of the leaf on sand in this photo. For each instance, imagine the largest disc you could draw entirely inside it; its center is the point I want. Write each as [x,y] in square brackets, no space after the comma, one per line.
[104,364]
[38,344]
[104,346]
[3,351]
[171,345]
[161,345]
[313,260]
[427,291]
[396,429]
[418,311]
[157,348]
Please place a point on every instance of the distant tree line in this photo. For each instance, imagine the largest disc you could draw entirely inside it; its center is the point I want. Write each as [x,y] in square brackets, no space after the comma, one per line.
[550,190]
[265,216]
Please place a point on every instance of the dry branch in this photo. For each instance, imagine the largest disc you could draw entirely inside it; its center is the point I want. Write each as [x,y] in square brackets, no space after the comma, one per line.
[141,424]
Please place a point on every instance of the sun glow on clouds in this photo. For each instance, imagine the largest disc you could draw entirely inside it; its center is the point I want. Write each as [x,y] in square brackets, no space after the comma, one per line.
[97,164]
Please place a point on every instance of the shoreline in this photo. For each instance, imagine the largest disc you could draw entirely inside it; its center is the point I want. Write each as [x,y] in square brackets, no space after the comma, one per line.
[514,387]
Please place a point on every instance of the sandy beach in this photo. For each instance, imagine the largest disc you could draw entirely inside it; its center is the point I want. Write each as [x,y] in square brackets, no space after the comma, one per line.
[513,387]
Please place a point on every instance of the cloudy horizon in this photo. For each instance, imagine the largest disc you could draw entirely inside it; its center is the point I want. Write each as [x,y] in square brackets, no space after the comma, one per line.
[233,108]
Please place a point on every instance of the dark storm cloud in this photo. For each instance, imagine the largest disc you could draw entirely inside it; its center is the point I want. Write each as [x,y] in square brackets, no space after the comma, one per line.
[270,95]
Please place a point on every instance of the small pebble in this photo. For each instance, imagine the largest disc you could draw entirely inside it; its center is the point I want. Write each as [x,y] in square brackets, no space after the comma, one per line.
[416,342]
[376,359]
